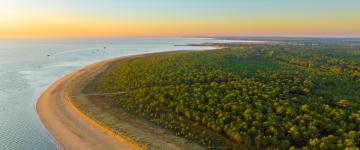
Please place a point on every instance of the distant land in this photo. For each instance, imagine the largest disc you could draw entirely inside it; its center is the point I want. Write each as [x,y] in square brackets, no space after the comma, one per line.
[302,40]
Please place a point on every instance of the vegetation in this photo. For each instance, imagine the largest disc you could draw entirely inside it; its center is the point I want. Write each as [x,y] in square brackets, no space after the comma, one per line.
[259,96]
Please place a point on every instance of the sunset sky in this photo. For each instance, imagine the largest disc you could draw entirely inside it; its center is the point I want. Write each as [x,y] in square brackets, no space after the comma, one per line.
[84,18]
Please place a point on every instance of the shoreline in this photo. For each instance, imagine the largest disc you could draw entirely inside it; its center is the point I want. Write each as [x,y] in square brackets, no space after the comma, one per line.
[71,125]
[71,128]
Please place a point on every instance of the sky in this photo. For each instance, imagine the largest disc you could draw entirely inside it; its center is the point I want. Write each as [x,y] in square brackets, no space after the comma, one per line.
[104,18]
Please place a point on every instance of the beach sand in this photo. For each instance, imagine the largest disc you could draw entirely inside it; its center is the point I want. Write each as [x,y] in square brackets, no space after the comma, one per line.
[69,127]
[73,117]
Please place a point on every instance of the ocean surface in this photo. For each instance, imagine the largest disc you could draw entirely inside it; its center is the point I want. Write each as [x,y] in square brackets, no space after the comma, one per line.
[29,66]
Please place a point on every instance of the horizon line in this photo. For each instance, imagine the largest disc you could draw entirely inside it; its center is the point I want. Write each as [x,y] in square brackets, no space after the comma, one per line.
[186,36]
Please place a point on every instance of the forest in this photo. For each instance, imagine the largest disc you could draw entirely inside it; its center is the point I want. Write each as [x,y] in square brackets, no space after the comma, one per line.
[248,96]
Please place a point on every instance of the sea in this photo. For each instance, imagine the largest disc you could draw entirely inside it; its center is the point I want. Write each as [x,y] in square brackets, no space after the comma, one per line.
[28,66]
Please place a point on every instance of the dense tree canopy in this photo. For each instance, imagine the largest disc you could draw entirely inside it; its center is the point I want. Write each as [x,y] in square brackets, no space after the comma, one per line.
[273,96]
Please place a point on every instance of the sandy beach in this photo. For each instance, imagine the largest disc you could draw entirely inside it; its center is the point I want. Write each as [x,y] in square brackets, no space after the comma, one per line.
[64,110]
[69,127]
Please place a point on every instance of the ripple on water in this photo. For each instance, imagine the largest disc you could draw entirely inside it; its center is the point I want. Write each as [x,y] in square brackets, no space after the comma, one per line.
[19,125]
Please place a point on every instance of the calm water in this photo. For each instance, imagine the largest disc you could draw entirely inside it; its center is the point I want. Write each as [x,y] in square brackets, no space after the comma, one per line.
[26,70]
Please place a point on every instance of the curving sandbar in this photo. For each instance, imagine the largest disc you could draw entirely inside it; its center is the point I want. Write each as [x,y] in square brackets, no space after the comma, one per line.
[70,127]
